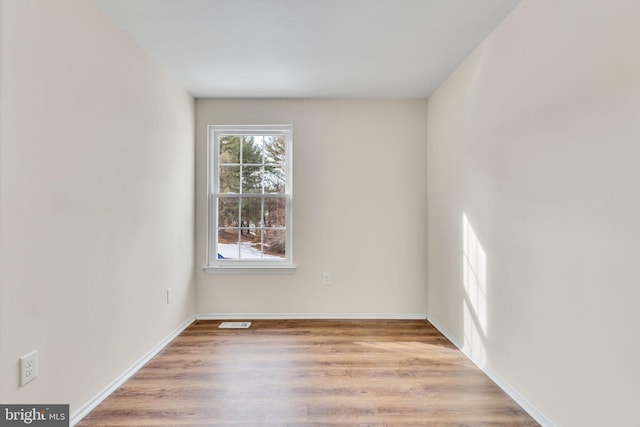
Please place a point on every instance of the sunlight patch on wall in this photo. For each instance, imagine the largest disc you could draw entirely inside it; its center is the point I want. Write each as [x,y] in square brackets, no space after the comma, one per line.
[474,264]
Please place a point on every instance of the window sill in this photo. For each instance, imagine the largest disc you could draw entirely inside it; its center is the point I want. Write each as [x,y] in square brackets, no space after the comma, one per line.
[249,269]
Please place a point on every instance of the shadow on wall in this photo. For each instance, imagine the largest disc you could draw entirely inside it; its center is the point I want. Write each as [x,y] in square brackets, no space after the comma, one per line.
[474,264]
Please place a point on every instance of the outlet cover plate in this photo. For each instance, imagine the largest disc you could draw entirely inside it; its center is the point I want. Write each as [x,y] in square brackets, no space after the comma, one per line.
[28,367]
[326,278]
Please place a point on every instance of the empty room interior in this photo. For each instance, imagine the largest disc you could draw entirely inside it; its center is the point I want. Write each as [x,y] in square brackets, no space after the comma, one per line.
[445,185]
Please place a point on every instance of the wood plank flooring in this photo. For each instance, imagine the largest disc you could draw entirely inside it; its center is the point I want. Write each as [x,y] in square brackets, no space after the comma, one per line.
[310,373]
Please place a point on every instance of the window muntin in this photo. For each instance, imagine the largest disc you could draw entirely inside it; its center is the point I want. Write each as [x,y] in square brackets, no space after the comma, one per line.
[250,196]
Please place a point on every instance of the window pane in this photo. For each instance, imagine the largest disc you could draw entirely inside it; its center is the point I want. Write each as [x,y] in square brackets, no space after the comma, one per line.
[258,146]
[229,149]
[274,149]
[228,247]
[250,246]
[275,244]
[251,212]
[274,179]
[275,211]
[228,210]
[252,149]
[252,179]
[229,179]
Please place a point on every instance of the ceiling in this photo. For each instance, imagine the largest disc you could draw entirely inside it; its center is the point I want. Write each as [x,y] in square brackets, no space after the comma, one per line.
[308,48]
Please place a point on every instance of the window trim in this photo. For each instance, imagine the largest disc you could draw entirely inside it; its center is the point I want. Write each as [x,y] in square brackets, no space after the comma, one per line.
[213,264]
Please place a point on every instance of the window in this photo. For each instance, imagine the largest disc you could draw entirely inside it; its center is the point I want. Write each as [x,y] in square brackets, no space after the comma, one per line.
[249,197]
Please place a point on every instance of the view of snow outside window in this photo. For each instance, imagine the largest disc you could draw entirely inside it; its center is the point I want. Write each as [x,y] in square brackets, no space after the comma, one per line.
[251,199]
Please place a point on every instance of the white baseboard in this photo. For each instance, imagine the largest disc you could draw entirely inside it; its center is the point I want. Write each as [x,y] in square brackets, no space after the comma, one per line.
[500,382]
[298,316]
[98,398]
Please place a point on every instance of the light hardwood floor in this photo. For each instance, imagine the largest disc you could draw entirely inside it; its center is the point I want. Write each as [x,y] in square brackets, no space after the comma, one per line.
[310,373]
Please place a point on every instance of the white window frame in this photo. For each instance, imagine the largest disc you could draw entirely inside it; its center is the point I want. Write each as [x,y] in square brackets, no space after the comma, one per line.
[215,265]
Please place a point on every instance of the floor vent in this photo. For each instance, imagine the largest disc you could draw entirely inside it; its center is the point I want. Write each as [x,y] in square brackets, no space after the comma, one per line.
[235,325]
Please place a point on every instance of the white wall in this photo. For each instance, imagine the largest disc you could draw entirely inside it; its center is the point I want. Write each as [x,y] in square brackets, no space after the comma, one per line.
[359,210]
[96,201]
[535,138]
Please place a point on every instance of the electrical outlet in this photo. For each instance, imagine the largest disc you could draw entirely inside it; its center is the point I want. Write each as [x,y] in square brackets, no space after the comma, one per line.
[169,295]
[28,367]
[326,278]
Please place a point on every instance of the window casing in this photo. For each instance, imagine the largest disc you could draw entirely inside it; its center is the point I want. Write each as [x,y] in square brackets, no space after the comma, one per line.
[250,189]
